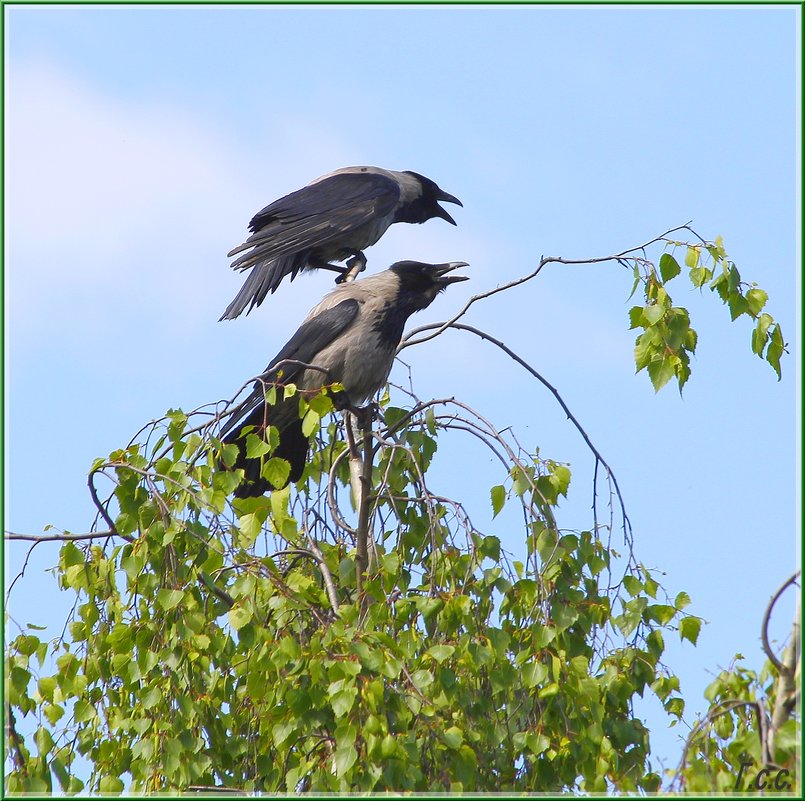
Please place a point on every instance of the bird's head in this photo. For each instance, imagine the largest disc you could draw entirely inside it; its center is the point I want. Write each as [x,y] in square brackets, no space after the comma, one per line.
[421,282]
[425,205]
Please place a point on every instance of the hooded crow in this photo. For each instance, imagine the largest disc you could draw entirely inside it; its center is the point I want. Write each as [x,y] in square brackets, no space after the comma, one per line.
[352,337]
[331,219]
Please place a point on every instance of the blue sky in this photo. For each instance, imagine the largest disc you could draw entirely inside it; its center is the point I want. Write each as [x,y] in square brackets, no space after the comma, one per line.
[140,140]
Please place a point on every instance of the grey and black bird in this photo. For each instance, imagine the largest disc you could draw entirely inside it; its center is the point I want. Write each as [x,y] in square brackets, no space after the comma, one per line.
[351,336]
[331,219]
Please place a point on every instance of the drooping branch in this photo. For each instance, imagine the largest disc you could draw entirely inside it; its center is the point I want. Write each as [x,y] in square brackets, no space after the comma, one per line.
[627,526]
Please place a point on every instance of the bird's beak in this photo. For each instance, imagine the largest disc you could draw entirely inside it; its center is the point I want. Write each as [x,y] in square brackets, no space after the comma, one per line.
[447,198]
[441,271]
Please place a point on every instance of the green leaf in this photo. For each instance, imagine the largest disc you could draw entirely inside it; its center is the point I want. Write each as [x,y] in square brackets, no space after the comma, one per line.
[256,446]
[534,673]
[760,334]
[310,422]
[110,785]
[490,548]
[635,317]
[453,737]
[692,256]
[43,740]
[775,350]
[682,600]
[239,616]
[151,697]
[169,599]
[498,494]
[345,757]
[699,276]
[537,743]
[652,314]
[669,267]
[661,613]
[756,299]
[250,525]
[53,712]
[440,652]
[737,304]
[343,700]
[689,628]
[277,471]
[661,371]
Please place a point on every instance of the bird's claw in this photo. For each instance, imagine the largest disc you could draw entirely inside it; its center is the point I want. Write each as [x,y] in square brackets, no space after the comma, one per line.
[355,265]
[366,415]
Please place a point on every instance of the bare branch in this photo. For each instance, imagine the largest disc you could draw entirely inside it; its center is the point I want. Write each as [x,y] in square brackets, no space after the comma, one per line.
[98,535]
[331,500]
[98,505]
[17,754]
[409,338]
[721,708]
[363,501]
[570,416]
[787,690]
[325,572]
[764,629]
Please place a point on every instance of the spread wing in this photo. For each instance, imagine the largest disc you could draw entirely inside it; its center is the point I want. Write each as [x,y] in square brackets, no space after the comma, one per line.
[313,335]
[315,215]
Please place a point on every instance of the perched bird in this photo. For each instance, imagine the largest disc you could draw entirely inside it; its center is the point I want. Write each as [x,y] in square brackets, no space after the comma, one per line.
[352,336]
[331,219]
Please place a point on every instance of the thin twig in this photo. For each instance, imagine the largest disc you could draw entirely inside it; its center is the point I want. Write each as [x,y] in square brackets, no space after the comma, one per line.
[409,339]
[98,505]
[326,575]
[570,416]
[721,708]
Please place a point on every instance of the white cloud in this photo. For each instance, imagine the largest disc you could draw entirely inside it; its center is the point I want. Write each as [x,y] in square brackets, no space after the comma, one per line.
[117,201]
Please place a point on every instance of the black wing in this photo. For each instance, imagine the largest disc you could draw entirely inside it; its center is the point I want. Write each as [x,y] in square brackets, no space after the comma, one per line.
[312,336]
[316,214]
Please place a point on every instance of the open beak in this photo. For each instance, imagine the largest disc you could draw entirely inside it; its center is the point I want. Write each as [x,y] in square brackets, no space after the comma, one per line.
[447,198]
[442,270]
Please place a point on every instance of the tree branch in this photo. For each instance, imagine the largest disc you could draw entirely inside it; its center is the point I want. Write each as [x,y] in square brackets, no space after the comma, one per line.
[570,416]
[327,577]
[722,708]
[764,629]
[787,690]
[363,502]
[17,753]
[97,535]
[409,339]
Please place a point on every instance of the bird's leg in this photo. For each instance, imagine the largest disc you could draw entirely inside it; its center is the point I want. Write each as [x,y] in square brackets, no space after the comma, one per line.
[355,265]
[365,415]
[340,400]
[321,264]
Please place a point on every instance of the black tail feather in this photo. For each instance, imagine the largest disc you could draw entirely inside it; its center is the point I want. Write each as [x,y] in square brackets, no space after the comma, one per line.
[293,447]
[265,277]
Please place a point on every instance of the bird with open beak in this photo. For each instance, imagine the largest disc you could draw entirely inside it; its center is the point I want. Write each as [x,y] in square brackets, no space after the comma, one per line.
[350,337]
